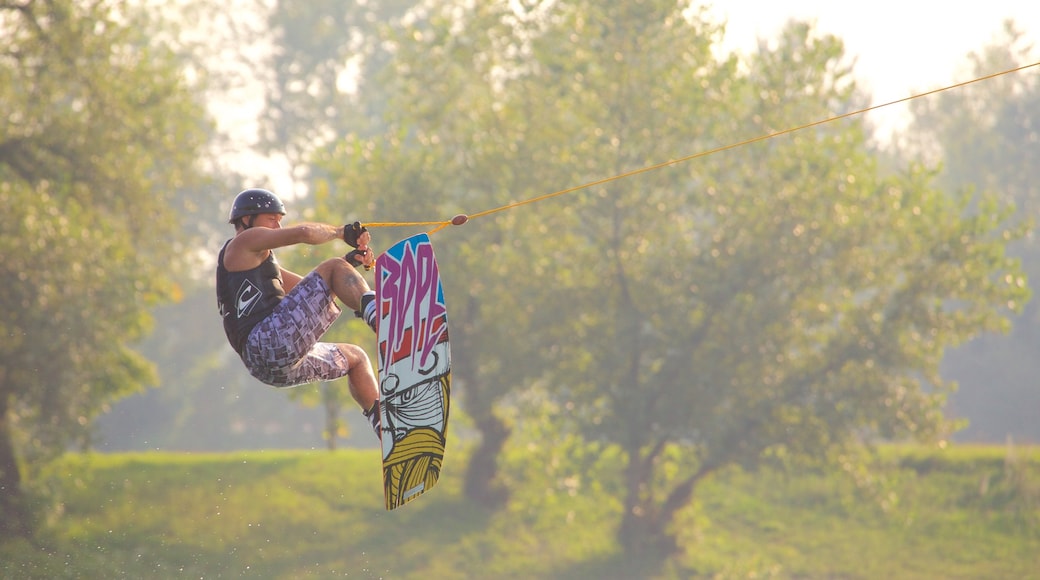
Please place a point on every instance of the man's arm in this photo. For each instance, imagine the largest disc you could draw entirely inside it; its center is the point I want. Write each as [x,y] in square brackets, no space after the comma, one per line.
[249,248]
[261,239]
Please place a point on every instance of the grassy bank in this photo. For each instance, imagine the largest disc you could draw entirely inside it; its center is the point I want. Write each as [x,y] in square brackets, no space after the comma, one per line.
[966,512]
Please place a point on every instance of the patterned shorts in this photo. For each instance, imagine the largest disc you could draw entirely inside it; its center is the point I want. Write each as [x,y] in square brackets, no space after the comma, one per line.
[283,349]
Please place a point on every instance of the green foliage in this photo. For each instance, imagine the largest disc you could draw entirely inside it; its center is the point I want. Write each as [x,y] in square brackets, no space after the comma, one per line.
[778,301]
[324,48]
[100,131]
[318,514]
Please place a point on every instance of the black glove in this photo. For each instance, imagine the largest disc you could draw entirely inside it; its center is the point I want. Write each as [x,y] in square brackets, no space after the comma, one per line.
[354,258]
[351,232]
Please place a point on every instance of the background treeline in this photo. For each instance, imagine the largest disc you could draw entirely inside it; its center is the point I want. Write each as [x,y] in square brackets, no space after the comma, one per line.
[785,302]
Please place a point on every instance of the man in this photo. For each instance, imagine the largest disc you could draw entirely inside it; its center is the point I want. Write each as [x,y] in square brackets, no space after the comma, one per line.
[274,319]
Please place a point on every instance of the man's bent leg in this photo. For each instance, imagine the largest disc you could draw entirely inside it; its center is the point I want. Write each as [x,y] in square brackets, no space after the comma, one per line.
[345,281]
[280,351]
[362,380]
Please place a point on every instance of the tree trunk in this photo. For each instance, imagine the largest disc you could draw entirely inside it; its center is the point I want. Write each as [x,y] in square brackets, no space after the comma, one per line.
[332,419]
[482,483]
[643,533]
[644,525]
[14,518]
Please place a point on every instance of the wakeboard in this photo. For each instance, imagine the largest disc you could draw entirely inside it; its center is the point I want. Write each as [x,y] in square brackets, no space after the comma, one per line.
[414,368]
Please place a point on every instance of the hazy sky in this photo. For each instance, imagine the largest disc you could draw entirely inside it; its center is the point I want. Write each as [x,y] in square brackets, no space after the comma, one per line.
[901,47]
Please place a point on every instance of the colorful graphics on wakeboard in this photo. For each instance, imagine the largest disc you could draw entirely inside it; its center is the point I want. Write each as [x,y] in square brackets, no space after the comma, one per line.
[414,368]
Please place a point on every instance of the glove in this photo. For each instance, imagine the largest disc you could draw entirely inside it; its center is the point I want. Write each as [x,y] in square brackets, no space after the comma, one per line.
[351,232]
[354,258]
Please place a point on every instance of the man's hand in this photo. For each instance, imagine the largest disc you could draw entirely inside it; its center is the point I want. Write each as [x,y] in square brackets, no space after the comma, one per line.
[356,235]
[361,257]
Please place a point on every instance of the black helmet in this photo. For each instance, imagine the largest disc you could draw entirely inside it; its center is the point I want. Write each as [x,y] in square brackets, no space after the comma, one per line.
[253,202]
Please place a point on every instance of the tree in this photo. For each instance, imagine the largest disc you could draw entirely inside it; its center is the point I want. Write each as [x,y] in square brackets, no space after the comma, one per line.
[323,50]
[801,300]
[787,301]
[100,132]
[351,139]
[432,161]
[986,137]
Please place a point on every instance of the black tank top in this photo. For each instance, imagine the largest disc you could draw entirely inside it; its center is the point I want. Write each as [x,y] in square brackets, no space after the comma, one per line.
[247,297]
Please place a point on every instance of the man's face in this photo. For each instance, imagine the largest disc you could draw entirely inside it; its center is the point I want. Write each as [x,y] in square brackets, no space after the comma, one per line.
[268,220]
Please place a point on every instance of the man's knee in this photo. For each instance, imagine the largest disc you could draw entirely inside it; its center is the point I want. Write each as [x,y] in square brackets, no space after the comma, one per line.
[355,355]
[336,271]
[329,267]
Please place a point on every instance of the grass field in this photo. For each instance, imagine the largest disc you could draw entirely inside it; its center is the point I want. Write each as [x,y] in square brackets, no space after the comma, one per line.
[964,512]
